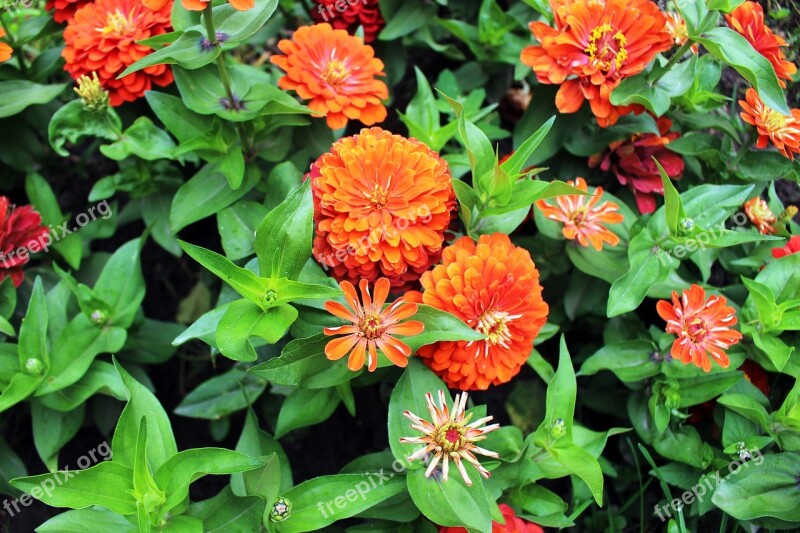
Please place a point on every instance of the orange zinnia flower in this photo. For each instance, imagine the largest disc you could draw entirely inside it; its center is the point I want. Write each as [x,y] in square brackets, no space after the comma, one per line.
[596,45]
[371,327]
[449,436]
[761,215]
[493,286]
[382,204]
[336,71]
[583,219]
[5,50]
[782,130]
[64,10]
[748,20]
[792,247]
[101,38]
[703,327]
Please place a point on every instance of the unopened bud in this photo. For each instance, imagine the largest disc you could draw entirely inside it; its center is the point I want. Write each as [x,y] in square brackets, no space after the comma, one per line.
[558,428]
[34,367]
[281,510]
[99,317]
[94,97]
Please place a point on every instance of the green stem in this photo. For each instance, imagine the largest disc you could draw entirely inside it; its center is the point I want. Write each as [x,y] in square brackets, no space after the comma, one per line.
[743,149]
[208,19]
[682,50]
[13,43]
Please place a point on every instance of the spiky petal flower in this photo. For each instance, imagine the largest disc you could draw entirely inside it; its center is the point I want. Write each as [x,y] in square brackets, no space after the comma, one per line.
[703,327]
[382,204]
[493,286]
[782,130]
[5,50]
[748,21]
[371,327]
[594,46]
[792,247]
[759,213]
[449,436]
[582,218]
[365,13]
[102,37]
[336,72]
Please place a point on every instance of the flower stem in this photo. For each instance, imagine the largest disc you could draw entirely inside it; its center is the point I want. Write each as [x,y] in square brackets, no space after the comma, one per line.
[20,55]
[208,19]
[682,50]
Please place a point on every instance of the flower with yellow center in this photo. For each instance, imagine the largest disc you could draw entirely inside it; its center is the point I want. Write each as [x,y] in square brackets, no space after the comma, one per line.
[782,130]
[91,91]
[759,213]
[117,23]
[449,436]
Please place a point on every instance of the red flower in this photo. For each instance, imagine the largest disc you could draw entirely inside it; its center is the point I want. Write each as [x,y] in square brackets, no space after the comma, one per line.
[102,37]
[65,9]
[21,232]
[512,524]
[356,13]
[632,161]
[792,247]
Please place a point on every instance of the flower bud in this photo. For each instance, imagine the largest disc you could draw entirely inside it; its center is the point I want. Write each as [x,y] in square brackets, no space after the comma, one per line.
[99,317]
[558,428]
[34,367]
[281,510]
[270,297]
[94,97]
[686,225]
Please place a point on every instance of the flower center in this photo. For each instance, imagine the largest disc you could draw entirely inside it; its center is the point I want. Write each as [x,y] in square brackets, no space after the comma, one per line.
[579,215]
[494,324]
[371,326]
[379,196]
[450,437]
[335,72]
[696,329]
[774,121]
[117,23]
[606,49]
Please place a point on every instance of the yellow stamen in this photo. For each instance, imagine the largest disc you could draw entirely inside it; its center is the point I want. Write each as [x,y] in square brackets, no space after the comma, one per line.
[117,23]
[611,50]
[335,72]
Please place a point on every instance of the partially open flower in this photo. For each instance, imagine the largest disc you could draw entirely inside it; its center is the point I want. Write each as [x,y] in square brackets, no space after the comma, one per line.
[449,436]
[782,130]
[792,247]
[703,327]
[748,21]
[91,91]
[336,72]
[631,160]
[371,327]
[761,215]
[582,218]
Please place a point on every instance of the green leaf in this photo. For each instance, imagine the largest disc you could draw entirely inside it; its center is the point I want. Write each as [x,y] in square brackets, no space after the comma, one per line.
[182,123]
[101,377]
[188,52]
[514,164]
[237,25]
[87,521]
[121,284]
[700,389]
[142,403]
[256,442]
[226,512]
[482,157]
[451,503]
[305,407]
[45,202]
[237,227]
[733,49]
[747,407]
[33,341]
[19,94]
[630,361]
[244,320]
[726,6]
[560,406]
[107,484]
[142,139]
[303,364]
[175,476]
[672,201]
[440,326]
[52,430]
[283,239]
[637,90]
[20,387]
[412,15]
[649,265]
[222,395]
[324,500]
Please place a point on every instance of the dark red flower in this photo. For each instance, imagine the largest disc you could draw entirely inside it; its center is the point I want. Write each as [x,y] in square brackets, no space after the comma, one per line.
[354,13]
[21,232]
[792,247]
[632,161]
[512,525]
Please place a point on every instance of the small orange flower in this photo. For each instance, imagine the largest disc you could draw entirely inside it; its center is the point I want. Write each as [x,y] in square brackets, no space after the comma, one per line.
[449,436]
[493,286]
[5,50]
[761,215]
[792,247]
[703,327]
[748,20]
[336,72]
[371,327]
[583,219]
[64,10]
[101,38]
[593,47]
[382,204]
[782,130]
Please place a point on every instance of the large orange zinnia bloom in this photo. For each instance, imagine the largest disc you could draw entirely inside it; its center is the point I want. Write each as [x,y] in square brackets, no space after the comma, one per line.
[64,10]
[748,20]
[782,130]
[371,327]
[703,327]
[5,50]
[101,38]
[382,204]
[582,218]
[493,286]
[336,72]
[595,45]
